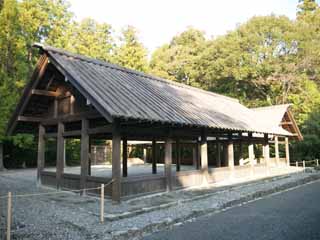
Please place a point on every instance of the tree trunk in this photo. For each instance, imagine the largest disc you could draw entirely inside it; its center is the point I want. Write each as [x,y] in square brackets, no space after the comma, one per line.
[1,157]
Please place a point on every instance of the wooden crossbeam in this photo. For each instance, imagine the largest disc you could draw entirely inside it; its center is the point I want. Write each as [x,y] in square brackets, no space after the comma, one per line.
[29,119]
[44,93]
[104,129]
[287,123]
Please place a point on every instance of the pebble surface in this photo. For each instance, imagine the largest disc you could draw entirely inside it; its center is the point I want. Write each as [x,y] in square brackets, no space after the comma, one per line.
[69,216]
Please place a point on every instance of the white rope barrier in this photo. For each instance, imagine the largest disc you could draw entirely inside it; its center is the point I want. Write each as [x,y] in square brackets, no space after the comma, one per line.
[10,196]
[55,192]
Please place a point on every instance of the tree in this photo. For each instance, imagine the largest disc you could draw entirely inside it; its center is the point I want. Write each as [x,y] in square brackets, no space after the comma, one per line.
[89,38]
[178,60]
[131,53]
[306,7]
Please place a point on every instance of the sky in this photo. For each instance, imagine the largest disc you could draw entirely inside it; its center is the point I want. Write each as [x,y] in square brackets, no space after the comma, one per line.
[159,20]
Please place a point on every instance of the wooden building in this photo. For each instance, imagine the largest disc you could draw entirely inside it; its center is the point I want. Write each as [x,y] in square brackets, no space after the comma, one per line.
[73,96]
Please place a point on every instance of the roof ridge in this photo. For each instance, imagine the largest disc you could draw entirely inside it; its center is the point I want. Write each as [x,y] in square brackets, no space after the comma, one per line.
[127,70]
[272,106]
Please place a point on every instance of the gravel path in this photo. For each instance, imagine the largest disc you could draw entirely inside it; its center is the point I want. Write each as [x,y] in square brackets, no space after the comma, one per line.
[68,216]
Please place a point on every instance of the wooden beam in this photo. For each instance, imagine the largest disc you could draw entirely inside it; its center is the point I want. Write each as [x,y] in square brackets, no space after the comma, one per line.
[104,129]
[286,123]
[116,164]
[168,163]
[70,118]
[60,155]
[36,77]
[124,157]
[44,93]
[29,119]
[73,133]
[41,152]
[84,154]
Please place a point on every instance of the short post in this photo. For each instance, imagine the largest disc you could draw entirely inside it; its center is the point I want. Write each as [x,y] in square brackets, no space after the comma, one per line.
[9,216]
[297,164]
[102,204]
[304,165]
[317,162]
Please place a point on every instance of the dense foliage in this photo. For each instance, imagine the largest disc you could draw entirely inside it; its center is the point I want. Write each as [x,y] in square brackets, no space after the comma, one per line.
[266,60]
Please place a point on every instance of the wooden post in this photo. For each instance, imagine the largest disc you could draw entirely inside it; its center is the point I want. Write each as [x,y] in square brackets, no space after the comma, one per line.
[55,108]
[198,155]
[240,152]
[41,152]
[125,157]
[72,103]
[230,155]
[167,164]
[204,158]
[287,151]
[90,157]
[276,149]
[297,164]
[60,152]
[194,156]
[116,166]
[317,162]
[218,153]
[251,154]
[1,157]
[9,216]
[304,165]
[84,154]
[102,204]
[204,153]
[144,154]
[154,156]
[64,154]
[178,155]
[266,152]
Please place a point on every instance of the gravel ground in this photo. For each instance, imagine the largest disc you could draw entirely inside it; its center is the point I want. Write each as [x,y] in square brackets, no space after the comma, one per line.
[68,216]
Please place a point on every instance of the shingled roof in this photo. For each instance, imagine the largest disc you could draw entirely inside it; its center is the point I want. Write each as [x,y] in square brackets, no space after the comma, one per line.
[278,115]
[118,92]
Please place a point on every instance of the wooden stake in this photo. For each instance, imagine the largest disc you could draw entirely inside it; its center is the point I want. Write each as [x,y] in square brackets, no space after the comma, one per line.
[317,162]
[102,204]
[9,216]
[304,165]
[297,164]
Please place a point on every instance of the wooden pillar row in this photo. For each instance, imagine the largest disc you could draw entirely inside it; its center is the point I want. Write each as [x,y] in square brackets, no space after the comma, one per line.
[84,156]
[60,155]
[41,152]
